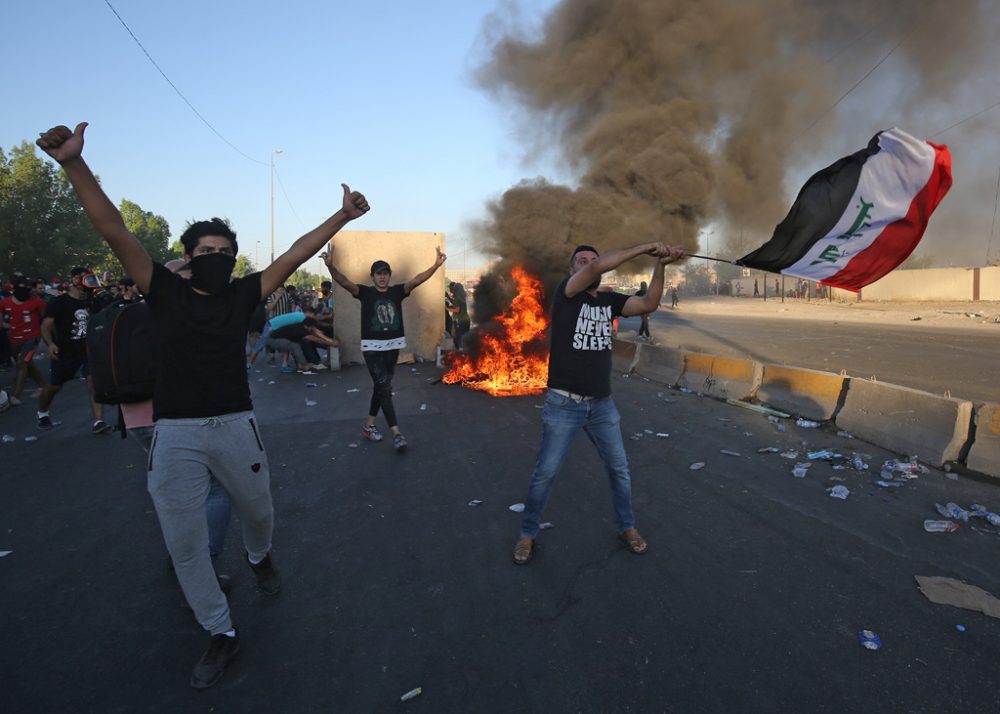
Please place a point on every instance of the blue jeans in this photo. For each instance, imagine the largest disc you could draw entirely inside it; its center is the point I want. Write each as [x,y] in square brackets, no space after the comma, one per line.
[562,418]
[218,508]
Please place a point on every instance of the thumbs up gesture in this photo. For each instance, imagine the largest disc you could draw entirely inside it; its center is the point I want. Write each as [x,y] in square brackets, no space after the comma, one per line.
[62,144]
[355,203]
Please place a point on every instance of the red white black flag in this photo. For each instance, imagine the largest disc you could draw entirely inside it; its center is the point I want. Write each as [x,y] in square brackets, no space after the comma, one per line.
[860,217]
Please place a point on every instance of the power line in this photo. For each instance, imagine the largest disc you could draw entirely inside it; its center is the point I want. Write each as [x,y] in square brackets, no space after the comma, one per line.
[179,93]
[287,199]
[973,116]
[855,86]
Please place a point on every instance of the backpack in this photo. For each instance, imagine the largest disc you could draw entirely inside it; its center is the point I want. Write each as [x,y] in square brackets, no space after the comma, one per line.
[121,354]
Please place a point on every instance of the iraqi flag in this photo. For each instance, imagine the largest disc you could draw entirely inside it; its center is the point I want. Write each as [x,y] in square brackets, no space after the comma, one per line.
[860,217]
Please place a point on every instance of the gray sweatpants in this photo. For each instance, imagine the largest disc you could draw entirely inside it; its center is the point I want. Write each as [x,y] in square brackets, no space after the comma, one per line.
[184,455]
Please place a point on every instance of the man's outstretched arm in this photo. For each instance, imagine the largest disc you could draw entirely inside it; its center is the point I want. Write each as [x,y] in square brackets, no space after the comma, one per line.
[637,305]
[355,206]
[66,147]
[338,277]
[584,278]
[421,278]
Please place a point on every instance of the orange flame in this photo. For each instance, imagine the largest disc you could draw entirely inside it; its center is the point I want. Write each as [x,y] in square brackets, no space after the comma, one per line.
[504,365]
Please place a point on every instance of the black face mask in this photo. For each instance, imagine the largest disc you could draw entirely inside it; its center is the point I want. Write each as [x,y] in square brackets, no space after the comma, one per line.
[22,293]
[212,272]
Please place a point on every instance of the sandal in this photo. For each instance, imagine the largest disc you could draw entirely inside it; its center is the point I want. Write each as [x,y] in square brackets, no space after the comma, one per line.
[636,544]
[523,550]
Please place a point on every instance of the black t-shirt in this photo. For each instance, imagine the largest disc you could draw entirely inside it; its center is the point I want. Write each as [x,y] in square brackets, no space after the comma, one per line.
[580,352]
[296,332]
[200,344]
[382,318]
[71,317]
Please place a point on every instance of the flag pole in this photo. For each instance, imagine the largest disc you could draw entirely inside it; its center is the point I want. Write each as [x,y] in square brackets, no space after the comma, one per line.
[708,257]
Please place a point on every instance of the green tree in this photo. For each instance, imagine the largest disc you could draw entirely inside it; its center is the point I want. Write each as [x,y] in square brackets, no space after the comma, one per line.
[244,266]
[43,229]
[305,280]
[150,229]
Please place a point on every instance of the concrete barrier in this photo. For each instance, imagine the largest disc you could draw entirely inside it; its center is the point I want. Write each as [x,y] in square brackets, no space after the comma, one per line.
[984,456]
[803,392]
[661,364]
[907,421]
[719,377]
[624,355]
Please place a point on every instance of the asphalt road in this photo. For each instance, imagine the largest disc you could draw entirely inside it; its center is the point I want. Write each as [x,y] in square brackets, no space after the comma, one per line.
[750,599]
[933,359]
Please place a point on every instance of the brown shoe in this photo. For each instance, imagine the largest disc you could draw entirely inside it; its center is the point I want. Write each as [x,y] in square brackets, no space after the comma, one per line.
[636,544]
[523,550]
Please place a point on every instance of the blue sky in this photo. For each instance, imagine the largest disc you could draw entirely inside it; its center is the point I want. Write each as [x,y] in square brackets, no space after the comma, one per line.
[382,95]
[379,95]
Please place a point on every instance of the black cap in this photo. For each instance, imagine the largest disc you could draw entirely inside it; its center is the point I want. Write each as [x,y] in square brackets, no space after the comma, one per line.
[79,270]
[379,265]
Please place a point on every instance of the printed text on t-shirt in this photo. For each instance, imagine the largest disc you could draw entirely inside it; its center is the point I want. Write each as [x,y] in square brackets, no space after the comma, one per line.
[593,328]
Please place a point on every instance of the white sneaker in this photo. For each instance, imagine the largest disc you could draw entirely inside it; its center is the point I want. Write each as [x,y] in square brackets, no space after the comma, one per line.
[319,367]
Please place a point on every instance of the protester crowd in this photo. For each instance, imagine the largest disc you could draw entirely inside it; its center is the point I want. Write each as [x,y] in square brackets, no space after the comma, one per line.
[171,346]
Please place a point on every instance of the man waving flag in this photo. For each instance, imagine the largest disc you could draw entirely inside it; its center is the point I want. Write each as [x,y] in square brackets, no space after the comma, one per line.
[860,217]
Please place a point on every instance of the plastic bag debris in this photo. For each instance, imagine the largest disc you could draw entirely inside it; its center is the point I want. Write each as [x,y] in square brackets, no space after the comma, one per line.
[474,502]
[845,434]
[271,382]
[858,463]
[545,526]
[411,694]
[310,403]
[790,454]
[310,384]
[685,390]
[889,484]
[350,391]
[869,640]
[352,445]
[729,452]
[800,470]
[647,431]
[697,466]
[7,438]
[31,438]
[423,407]
[841,492]
[806,423]
[960,628]
[824,454]
[777,423]
[5,553]
[662,434]
[768,450]
[517,507]
[636,436]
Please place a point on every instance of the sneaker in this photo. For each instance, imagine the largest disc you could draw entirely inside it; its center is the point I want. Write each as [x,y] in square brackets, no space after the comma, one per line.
[268,577]
[44,422]
[400,442]
[371,433]
[319,367]
[212,665]
[14,401]
[101,427]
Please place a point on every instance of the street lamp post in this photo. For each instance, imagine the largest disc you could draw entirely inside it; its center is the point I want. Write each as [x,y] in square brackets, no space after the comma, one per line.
[273,154]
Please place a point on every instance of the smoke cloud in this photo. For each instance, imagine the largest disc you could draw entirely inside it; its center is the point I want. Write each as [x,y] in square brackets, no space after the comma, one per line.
[673,115]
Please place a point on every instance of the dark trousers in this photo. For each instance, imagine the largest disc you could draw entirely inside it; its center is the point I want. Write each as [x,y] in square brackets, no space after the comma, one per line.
[381,366]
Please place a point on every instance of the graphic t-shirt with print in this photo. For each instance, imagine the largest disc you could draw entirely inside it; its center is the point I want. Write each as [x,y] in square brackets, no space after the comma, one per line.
[70,317]
[24,319]
[382,318]
[580,352]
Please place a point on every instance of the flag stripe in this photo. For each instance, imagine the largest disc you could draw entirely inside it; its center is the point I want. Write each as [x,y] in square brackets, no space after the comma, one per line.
[817,209]
[897,241]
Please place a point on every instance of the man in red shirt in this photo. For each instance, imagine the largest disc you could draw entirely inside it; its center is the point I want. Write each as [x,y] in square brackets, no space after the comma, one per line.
[22,315]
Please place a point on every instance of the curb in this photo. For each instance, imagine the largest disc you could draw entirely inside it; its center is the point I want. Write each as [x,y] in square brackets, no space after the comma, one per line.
[909,421]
